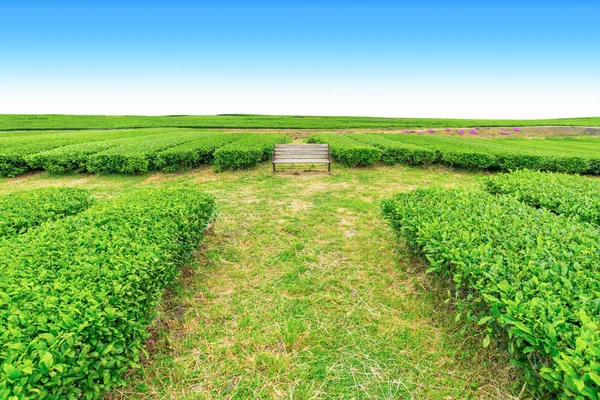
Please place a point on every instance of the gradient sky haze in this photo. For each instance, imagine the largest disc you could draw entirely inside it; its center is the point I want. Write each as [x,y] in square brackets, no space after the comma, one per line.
[456,59]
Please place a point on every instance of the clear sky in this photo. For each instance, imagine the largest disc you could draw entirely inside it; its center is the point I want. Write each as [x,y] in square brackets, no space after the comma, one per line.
[487,59]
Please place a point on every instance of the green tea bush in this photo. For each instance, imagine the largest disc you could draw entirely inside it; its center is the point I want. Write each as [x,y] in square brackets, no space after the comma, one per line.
[16,151]
[12,159]
[68,159]
[469,159]
[25,209]
[515,160]
[528,276]
[594,167]
[393,152]
[137,157]
[568,164]
[247,151]
[77,294]
[193,154]
[542,160]
[74,158]
[507,154]
[456,152]
[557,155]
[570,195]
[348,151]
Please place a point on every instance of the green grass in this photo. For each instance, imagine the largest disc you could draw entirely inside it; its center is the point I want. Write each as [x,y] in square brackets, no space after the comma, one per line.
[299,291]
[58,121]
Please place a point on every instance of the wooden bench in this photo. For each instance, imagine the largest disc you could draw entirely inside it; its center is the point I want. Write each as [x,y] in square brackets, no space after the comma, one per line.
[289,154]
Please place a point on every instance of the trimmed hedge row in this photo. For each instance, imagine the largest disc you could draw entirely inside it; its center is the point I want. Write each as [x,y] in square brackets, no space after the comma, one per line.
[25,209]
[12,159]
[457,152]
[74,158]
[561,155]
[248,151]
[570,195]
[500,154]
[137,157]
[70,158]
[193,154]
[15,151]
[506,154]
[393,152]
[348,151]
[77,294]
[530,277]
[152,149]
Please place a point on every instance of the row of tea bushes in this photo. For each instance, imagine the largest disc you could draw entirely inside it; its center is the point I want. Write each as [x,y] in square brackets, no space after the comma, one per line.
[393,152]
[15,151]
[471,153]
[508,154]
[139,156]
[530,277]
[247,151]
[74,158]
[193,154]
[348,151]
[570,195]
[77,294]
[554,155]
[22,210]
[139,152]
[66,159]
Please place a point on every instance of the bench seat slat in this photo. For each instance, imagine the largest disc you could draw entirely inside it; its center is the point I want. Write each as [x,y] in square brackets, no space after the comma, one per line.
[285,153]
[302,154]
[301,150]
[308,153]
[301,145]
[299,156]
[301,161]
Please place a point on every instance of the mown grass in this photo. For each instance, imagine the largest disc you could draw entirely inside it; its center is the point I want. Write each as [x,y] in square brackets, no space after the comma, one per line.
[59,121]
[301,291]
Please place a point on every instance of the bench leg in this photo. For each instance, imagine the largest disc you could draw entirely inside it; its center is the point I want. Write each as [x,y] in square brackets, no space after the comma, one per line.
[329,168]
[274,168]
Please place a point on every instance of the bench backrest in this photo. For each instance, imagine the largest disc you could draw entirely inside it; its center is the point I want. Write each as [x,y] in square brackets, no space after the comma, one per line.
[301,151]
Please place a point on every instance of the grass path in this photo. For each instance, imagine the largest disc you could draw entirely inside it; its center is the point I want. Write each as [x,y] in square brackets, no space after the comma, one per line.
[299,292]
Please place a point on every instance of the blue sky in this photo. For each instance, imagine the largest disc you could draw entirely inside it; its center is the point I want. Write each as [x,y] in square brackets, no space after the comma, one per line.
[504,59]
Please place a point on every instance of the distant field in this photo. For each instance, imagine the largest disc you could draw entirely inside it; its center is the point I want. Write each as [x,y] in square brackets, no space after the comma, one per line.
[51,121]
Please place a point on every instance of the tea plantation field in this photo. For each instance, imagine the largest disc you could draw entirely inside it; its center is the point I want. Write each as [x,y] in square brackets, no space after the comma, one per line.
[169,262]
[136,151]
